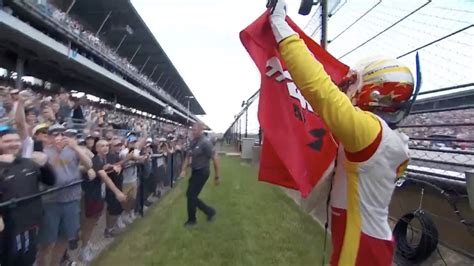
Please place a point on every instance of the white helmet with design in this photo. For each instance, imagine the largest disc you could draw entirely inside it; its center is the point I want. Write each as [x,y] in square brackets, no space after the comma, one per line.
[383,86]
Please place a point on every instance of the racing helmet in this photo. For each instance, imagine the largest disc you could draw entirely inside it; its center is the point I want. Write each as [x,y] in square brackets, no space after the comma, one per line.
[380,85]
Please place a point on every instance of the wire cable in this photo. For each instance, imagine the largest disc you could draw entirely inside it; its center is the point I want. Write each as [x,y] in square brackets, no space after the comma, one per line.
[428,242]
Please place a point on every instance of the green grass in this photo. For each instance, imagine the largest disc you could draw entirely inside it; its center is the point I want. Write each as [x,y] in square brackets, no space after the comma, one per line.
[257,224]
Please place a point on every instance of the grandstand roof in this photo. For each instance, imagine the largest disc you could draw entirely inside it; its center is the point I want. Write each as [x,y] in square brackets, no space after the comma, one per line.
[451,94]
[457,99]
[93,12]
[46,58]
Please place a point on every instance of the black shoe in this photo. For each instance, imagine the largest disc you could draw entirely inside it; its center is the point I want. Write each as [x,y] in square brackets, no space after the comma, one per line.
[211,217]
[73,244]
[147,203]
[190,224]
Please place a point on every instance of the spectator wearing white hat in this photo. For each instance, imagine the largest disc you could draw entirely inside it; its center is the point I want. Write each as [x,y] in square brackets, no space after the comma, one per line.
[40,137]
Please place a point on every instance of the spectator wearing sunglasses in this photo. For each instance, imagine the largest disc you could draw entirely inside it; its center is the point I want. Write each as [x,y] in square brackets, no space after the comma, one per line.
[40,137]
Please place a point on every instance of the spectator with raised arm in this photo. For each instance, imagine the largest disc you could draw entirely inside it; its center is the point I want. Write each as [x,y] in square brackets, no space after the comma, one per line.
[62,208]
[20,177]
[131,155]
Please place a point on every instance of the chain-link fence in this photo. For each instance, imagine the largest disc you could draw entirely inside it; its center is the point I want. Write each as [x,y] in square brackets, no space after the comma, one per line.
[441,143]
[245,124]
[442,151]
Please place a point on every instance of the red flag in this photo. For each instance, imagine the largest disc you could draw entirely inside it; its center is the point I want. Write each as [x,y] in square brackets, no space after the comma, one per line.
[297,147]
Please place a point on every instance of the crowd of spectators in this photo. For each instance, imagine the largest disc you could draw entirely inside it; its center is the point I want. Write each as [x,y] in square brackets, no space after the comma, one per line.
[53,140]
[445,124]
[100,157]
[77,28]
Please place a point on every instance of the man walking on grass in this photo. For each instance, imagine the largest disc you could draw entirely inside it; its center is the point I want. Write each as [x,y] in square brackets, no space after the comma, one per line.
[199,155]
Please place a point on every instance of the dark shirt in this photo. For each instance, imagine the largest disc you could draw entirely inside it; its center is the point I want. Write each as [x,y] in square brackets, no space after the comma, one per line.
[20,179]
[154,159]
[146,167]
[114,158]
[201,151]
[77,113]
[93,188]
[64,112]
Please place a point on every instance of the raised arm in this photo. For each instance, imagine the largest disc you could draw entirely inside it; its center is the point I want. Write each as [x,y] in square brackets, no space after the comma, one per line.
[110,185]
[20,119]
[356,129]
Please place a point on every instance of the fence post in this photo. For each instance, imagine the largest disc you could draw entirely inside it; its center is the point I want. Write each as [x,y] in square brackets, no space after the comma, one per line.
[172,170]
[324,23]
[470,187]
[141,191]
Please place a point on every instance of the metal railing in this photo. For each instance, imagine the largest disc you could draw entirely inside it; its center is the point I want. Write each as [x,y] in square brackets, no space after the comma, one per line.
[7,206]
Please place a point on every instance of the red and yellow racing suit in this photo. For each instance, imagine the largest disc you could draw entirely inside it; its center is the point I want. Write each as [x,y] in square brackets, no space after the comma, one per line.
[371,157]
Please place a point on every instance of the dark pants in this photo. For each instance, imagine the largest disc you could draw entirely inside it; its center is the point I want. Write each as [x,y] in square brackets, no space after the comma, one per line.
[196,183]
[150,183]
[114,207]
[19,249]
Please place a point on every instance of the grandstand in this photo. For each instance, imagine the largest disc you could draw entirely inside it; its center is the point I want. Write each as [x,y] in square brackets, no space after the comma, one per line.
[94,68]
[109,53]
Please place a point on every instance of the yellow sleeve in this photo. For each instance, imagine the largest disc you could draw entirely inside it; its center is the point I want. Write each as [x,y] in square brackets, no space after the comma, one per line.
[354,128]
[402,168]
